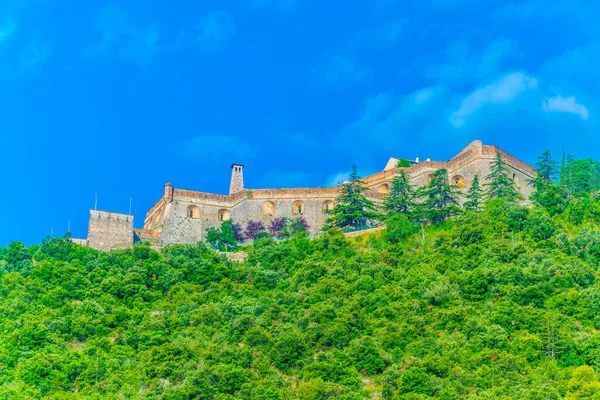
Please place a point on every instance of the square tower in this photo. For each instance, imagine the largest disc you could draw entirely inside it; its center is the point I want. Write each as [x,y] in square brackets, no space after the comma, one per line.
[237,179]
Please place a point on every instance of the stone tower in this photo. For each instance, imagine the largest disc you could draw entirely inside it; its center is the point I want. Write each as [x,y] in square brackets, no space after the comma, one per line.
[108,230]
[237,179]
[168,192]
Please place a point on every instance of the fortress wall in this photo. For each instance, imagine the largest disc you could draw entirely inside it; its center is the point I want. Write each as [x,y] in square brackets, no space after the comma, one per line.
[178,227]
[108,230]
[254,210]
[81,242]
[155,215]
[290,193]
[475,159]
[147,233]
[156,218]
[513,161]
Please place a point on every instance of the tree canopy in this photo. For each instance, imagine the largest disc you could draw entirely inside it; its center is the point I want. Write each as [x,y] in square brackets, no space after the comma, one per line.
[498,303]
[353,209]
[499,184]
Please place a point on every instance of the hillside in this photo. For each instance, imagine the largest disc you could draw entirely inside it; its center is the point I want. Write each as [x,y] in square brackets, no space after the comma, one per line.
[504,303]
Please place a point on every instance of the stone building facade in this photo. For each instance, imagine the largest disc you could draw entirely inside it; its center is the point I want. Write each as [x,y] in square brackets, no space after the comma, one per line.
[184,216]
[108,230]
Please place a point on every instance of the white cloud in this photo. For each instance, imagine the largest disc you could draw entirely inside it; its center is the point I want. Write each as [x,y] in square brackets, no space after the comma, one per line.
[386,116]
[462,63]
[565,105]
[8,28]
[340,177]
[215,30]
[501,92]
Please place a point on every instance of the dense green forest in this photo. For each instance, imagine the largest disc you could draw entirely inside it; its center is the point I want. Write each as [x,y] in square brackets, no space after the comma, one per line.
[494,298]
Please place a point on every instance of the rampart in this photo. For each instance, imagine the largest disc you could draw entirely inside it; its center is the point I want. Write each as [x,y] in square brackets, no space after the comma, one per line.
[109,230]
[185,216]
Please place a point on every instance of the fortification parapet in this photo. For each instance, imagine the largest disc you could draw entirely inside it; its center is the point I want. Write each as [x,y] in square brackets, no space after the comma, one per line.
[108,230]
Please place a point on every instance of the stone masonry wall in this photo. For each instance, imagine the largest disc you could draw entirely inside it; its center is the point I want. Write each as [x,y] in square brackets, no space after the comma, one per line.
[171,220]
[108,230]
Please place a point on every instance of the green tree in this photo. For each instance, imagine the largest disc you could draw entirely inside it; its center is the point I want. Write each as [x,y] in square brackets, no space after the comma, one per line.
[474,195]
[403,163]
[580,176]
[546,166]
[440,198]
[225,238]
[353,209]
[400,198]
[500,185]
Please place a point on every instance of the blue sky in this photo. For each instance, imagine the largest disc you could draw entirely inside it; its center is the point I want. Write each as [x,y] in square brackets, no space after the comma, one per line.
[120,97]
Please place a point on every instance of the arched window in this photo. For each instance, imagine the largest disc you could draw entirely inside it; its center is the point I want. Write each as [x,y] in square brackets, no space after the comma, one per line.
[328,206]
[193,212]
[268,208]
[298,207]
[384,188]
[458,180]
[224,215]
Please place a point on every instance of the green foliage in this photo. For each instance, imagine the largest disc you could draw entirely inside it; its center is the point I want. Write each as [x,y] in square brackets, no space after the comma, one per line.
[580,176]
[403,163]
[474,196]
[499,303]
[400,198]
[398,228]
[440,198]
[224,238]
[499,184]
[352,208]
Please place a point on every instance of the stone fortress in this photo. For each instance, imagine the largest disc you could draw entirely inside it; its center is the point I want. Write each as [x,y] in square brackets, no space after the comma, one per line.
[184,216]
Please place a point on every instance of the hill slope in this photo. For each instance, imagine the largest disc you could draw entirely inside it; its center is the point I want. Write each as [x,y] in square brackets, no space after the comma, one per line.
[500,304]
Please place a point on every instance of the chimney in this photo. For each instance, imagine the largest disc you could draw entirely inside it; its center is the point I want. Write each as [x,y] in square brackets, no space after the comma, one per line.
[237,179]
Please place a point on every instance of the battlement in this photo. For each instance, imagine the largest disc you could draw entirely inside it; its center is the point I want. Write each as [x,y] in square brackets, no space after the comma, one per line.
[293,192]
[109,230]
[185,216]
[492,150]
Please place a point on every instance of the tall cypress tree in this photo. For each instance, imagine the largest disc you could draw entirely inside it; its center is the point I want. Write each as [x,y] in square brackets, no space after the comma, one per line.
[400,198]
[474,195]
[500,185]
[440,198]
[353,209]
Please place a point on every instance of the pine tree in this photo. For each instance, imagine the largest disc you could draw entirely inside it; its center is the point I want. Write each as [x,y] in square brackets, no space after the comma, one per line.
[547,169]
[500,185]
[546,166]
[474,196]
[440,198]
[353,209]
[400,198]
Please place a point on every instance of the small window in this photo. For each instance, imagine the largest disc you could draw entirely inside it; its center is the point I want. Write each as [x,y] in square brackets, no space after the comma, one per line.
[298,207]
[193,212]
[459,181]
[224,215]
[328,206]
[269,208]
